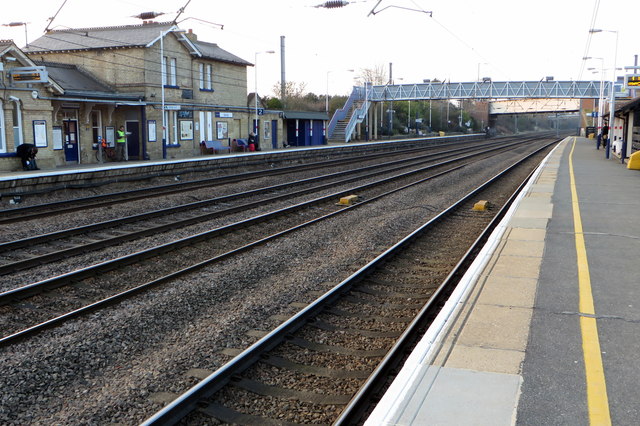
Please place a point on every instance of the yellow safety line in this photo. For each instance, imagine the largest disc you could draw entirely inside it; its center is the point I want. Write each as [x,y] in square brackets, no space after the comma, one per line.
[597,400]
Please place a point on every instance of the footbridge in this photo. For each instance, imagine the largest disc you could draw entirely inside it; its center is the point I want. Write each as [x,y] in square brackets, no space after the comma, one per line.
[357,107]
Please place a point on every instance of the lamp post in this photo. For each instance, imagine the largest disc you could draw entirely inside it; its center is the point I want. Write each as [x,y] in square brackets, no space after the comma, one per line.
[255,71]
[163,81]
[613,91]
[17,24]
[366,109]
[326,102]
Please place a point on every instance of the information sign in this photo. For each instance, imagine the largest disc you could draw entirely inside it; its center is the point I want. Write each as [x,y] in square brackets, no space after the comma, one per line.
[29,75]
[633,81]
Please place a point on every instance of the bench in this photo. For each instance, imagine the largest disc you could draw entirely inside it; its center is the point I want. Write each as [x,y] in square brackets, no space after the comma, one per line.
[212,147]
[241,145]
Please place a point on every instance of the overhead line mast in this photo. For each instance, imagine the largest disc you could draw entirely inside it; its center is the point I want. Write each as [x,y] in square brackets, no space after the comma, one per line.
[54,16]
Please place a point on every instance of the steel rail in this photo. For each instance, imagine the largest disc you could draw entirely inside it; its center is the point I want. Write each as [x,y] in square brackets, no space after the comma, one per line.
[64,279]
[143,287]
[30,241]
[107,242]
[67,206]
[359,403]
[187,402]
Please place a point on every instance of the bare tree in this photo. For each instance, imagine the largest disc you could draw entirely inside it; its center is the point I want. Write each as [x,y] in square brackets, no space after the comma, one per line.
[292,89]
[376,76]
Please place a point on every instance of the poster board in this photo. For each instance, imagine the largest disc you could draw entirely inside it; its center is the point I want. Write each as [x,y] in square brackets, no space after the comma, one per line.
[151,130]
[40,133]
[110,135]
[57,137]
[186,130]
[222,130]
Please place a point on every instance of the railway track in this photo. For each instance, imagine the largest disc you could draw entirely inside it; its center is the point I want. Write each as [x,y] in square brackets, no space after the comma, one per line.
[326,362]
[40,249]
[112,268]
[242,235]
[21,214]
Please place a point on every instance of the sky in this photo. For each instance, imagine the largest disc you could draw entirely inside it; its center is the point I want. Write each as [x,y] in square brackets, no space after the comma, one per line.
[461,41]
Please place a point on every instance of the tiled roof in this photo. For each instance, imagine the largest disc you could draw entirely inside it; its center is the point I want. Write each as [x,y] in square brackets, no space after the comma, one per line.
[213,51]
[98,38]
[70,78]
[123,36]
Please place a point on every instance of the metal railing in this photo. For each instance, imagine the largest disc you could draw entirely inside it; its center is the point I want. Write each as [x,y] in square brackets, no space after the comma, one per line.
[341,113]
[489,90]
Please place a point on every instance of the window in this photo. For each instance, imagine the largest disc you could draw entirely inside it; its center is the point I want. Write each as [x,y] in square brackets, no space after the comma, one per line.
[16,116]
[169,66]
[170,134]
[3,141]
[206,76]
[209,126]
[174,127]
[172,72]
[206,125]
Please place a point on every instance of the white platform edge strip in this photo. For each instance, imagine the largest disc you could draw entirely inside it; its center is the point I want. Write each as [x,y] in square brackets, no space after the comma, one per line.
[388,409]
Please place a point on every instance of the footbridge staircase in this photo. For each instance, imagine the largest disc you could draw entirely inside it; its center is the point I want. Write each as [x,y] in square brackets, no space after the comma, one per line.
[345,119]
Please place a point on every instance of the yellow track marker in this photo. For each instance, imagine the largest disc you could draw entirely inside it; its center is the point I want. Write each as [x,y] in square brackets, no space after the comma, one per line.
[348,200]
[597,400]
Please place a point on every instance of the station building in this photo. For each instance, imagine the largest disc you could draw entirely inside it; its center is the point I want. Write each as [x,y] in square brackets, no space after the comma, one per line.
[89,82]
[626,129]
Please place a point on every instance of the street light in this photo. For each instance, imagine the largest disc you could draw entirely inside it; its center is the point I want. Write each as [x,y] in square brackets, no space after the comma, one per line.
[326,103]
[613,91]
[163,81]
[17,24]
[255,70]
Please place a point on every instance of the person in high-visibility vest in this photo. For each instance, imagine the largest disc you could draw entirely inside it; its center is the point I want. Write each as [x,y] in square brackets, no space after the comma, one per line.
[121,144]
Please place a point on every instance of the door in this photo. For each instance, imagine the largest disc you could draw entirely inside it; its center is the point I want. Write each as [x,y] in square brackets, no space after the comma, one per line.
[318,128]
[133,139]
[305,132]
[292,137]
[71,145]
[274,134]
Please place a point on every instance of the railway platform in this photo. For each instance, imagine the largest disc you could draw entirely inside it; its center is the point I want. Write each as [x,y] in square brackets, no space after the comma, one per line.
[545,326]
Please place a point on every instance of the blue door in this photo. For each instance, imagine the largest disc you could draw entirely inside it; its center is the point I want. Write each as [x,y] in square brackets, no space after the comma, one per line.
[71,145]
[305,132]
[318,137]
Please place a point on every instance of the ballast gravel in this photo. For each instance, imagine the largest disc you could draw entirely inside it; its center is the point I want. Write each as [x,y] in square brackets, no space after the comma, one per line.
[122,364]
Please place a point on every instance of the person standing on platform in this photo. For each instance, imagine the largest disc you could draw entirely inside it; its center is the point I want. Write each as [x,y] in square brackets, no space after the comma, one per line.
[121,145]
[605,136]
